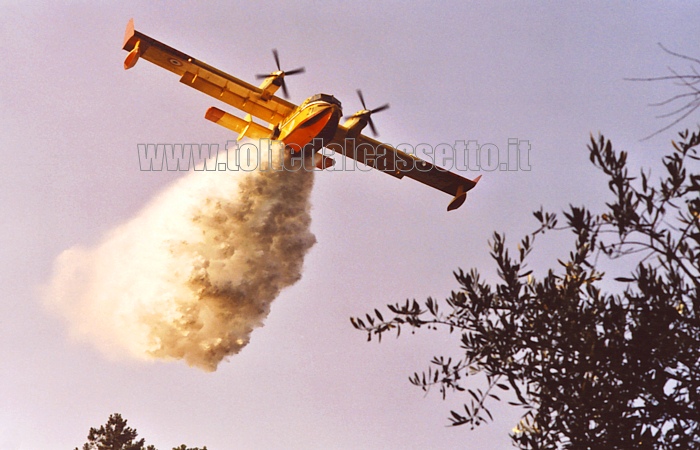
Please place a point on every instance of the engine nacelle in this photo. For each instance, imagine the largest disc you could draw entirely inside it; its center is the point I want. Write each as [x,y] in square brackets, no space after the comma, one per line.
[270,85]
[355,124]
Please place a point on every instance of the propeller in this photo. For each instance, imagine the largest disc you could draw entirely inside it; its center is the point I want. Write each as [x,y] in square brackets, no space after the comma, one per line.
[280,74]
[369,112]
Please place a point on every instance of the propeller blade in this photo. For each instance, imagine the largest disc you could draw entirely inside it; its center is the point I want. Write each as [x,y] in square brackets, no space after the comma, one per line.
[295,71]
[371,127]
[280,74]
[381,108]
[362,99]
[277,58]
[368,112]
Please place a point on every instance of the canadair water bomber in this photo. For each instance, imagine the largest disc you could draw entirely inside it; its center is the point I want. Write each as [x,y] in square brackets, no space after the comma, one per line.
[304,128]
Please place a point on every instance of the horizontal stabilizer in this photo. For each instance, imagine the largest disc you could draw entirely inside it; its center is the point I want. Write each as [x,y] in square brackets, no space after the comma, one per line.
[246,128]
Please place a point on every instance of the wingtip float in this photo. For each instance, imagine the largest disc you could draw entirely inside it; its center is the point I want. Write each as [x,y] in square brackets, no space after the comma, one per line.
[304,128]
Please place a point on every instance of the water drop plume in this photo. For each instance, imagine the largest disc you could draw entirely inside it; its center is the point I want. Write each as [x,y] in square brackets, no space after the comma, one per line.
[195,272]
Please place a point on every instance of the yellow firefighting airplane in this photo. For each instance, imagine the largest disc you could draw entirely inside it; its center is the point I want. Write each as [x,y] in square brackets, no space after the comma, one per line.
[308,127]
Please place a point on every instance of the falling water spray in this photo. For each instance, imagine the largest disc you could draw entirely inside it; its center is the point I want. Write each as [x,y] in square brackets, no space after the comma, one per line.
[195,272]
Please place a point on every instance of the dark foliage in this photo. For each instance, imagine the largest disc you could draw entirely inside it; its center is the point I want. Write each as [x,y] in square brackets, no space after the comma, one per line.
[590,368]
[116,435]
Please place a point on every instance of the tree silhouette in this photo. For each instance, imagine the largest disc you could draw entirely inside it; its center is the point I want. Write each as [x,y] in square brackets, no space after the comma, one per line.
[116,435]
[594,362]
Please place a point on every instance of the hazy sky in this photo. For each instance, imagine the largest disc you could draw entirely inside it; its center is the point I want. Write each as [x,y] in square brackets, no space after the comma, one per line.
[71,120]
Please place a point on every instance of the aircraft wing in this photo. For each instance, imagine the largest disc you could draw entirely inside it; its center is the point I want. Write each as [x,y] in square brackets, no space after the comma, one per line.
[204,77]
[399,164]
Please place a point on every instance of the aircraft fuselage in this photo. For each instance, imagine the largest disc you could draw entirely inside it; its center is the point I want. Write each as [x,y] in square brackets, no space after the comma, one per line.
[315,121]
